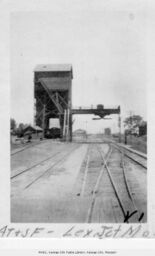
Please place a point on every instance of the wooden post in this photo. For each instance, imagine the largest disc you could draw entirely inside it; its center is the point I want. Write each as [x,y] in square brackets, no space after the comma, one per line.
[64,125]
[119,125]
[68,118]
[43,121]
[70,126]
[125,138]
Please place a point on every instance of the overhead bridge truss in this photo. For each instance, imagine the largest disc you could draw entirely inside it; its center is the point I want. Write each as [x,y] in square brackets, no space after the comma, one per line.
[96,111]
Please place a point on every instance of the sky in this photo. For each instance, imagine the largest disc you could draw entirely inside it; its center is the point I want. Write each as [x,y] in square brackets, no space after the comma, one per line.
[106,44]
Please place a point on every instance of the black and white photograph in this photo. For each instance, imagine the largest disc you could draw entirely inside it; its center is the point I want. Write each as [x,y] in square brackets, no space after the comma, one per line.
[78,114]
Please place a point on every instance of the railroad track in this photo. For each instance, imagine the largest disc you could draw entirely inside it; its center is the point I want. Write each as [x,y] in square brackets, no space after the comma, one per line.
[38,172]
[95,189]
[27,147]
[139,160]
[119,182]
[33,166]
[87,170]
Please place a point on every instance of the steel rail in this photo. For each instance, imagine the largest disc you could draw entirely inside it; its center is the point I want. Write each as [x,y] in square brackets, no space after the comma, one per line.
[85,176]
[85,172]
[33,166]
[90,211]
[113,185]
[130,157]
[136,161]
[51,167]
[126,185]
[134,152]
[26,147]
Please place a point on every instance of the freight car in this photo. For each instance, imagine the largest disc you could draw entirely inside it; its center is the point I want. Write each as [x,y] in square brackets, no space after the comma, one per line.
[53,133]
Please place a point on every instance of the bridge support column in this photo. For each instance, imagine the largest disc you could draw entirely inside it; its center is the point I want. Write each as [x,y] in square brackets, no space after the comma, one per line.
[70,127]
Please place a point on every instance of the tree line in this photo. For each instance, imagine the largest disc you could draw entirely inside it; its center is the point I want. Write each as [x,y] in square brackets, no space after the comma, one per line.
[134,124]
[17,129]
[131,123]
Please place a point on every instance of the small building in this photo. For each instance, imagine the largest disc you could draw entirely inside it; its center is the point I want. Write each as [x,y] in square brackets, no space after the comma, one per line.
[79,132]
[35,131]
[107,131]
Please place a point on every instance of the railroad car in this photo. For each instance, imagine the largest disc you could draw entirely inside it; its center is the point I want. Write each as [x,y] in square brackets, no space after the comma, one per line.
[53,133]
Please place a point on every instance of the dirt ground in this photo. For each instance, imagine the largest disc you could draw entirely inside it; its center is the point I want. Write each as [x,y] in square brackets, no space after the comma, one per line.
[55,187]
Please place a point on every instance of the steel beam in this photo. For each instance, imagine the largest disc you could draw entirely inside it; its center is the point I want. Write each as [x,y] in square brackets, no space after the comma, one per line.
[97,112]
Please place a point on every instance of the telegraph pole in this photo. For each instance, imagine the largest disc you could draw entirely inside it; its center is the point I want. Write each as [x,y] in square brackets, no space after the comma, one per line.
[131,123]
[86,129]
[119,126]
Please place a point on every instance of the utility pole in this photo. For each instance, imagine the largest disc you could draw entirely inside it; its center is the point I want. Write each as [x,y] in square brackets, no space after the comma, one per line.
[86,130]
[70,125]
[131,120]
[131,123]
[119,127]
[125,136]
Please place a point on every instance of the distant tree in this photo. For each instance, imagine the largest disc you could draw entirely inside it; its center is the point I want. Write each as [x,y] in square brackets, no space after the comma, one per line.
[12,124]
[132,124]
[133,121]
[20,129]
[21,126]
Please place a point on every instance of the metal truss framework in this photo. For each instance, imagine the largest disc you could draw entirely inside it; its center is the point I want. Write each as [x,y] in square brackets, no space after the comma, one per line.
[53,87]
[53,105]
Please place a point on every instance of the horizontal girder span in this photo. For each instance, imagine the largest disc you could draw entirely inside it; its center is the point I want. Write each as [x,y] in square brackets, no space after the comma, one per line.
[98,112]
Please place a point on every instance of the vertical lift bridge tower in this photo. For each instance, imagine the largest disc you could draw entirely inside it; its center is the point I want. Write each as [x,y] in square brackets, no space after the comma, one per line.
[53,96]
